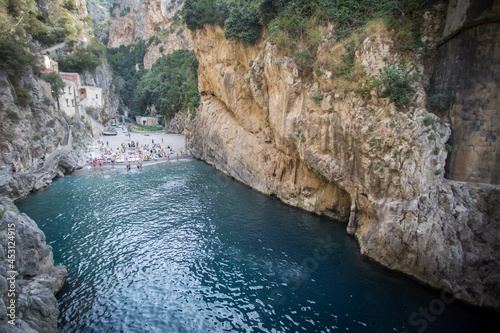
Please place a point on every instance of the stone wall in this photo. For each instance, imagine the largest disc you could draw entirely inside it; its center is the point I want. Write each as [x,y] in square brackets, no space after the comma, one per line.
[468,74]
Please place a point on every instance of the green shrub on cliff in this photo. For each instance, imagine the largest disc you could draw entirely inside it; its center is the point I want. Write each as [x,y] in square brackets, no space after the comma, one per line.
[197,13]
[56,84]
[243,23]
[397,83]
[69,5]
[239,19]
[170,86]
[82,59]
[14,55]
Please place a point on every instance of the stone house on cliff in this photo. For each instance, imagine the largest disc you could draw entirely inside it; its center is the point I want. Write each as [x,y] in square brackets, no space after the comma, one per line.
[75,97]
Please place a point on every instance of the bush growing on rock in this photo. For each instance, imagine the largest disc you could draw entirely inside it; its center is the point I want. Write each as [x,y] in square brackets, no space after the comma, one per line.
[397,83]
[243,23]
[56,83]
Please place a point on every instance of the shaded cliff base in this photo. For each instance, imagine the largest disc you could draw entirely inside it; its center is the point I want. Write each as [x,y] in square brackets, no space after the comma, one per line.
[28,278]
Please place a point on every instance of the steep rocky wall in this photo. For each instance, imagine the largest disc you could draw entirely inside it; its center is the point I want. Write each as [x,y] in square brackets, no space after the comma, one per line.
[137,19]
[357,160]
[30,275]
[473,84]
[178,39]
[132,20]
[29,130]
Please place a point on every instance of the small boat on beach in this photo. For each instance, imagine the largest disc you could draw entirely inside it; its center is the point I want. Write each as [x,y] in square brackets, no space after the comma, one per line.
[109,131]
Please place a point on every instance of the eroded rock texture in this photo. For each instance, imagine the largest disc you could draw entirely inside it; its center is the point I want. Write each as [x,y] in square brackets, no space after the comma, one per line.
[36,278]
[358,160]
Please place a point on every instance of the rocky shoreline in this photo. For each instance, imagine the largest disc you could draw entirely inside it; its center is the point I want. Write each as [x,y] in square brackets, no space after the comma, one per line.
[28,278]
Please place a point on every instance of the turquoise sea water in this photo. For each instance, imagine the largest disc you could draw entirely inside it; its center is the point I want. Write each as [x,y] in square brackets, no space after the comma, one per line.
[180,247]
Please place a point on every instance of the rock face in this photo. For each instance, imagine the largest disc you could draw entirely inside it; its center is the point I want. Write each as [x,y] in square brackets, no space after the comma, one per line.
[132,20]
[178,39]
[176,123]
[31,275]
[27,131]
[358,160]
[102,78]
[98,10]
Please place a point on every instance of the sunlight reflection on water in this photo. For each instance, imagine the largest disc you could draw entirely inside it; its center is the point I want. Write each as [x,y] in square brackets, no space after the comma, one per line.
[181,247]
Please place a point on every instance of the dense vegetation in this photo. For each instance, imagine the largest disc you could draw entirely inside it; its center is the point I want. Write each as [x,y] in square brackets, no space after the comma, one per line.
[26,26]
[293,20]
[123,62]
[48,25]
[82,59]
[170,86]
[240,19]
[14,55]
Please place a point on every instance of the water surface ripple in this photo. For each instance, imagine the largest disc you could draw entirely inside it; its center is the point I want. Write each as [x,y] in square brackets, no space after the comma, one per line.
[182,248]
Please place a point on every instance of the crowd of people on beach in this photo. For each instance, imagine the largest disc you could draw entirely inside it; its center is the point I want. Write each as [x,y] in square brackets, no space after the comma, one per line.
[132,152]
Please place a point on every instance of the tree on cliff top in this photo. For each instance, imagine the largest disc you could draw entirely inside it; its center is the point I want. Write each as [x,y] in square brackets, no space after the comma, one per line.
[243,23]
[197,13]
[239,18]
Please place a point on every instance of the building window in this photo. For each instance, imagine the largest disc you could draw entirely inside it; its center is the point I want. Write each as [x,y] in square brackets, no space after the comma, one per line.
[67,102]
[96,96]
[72,103]
[69,90]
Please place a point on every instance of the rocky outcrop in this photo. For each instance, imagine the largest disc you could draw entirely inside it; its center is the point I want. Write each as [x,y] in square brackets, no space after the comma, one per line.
[28,278]
[30,127]
[99,10]
[140,19]
[470,84]
[132,20]
[357,159]
[27,131]
[102,78]
[178,39]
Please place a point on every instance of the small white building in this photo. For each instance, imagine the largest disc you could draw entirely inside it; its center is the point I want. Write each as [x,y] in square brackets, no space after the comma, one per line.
[68,99]
[49,64]
[76,98]
[90,96]
[146,121]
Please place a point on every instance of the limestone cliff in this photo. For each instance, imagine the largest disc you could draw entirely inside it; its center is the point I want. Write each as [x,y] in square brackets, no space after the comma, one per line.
[132,20]
[357,159]
[29,273]
[29,130]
